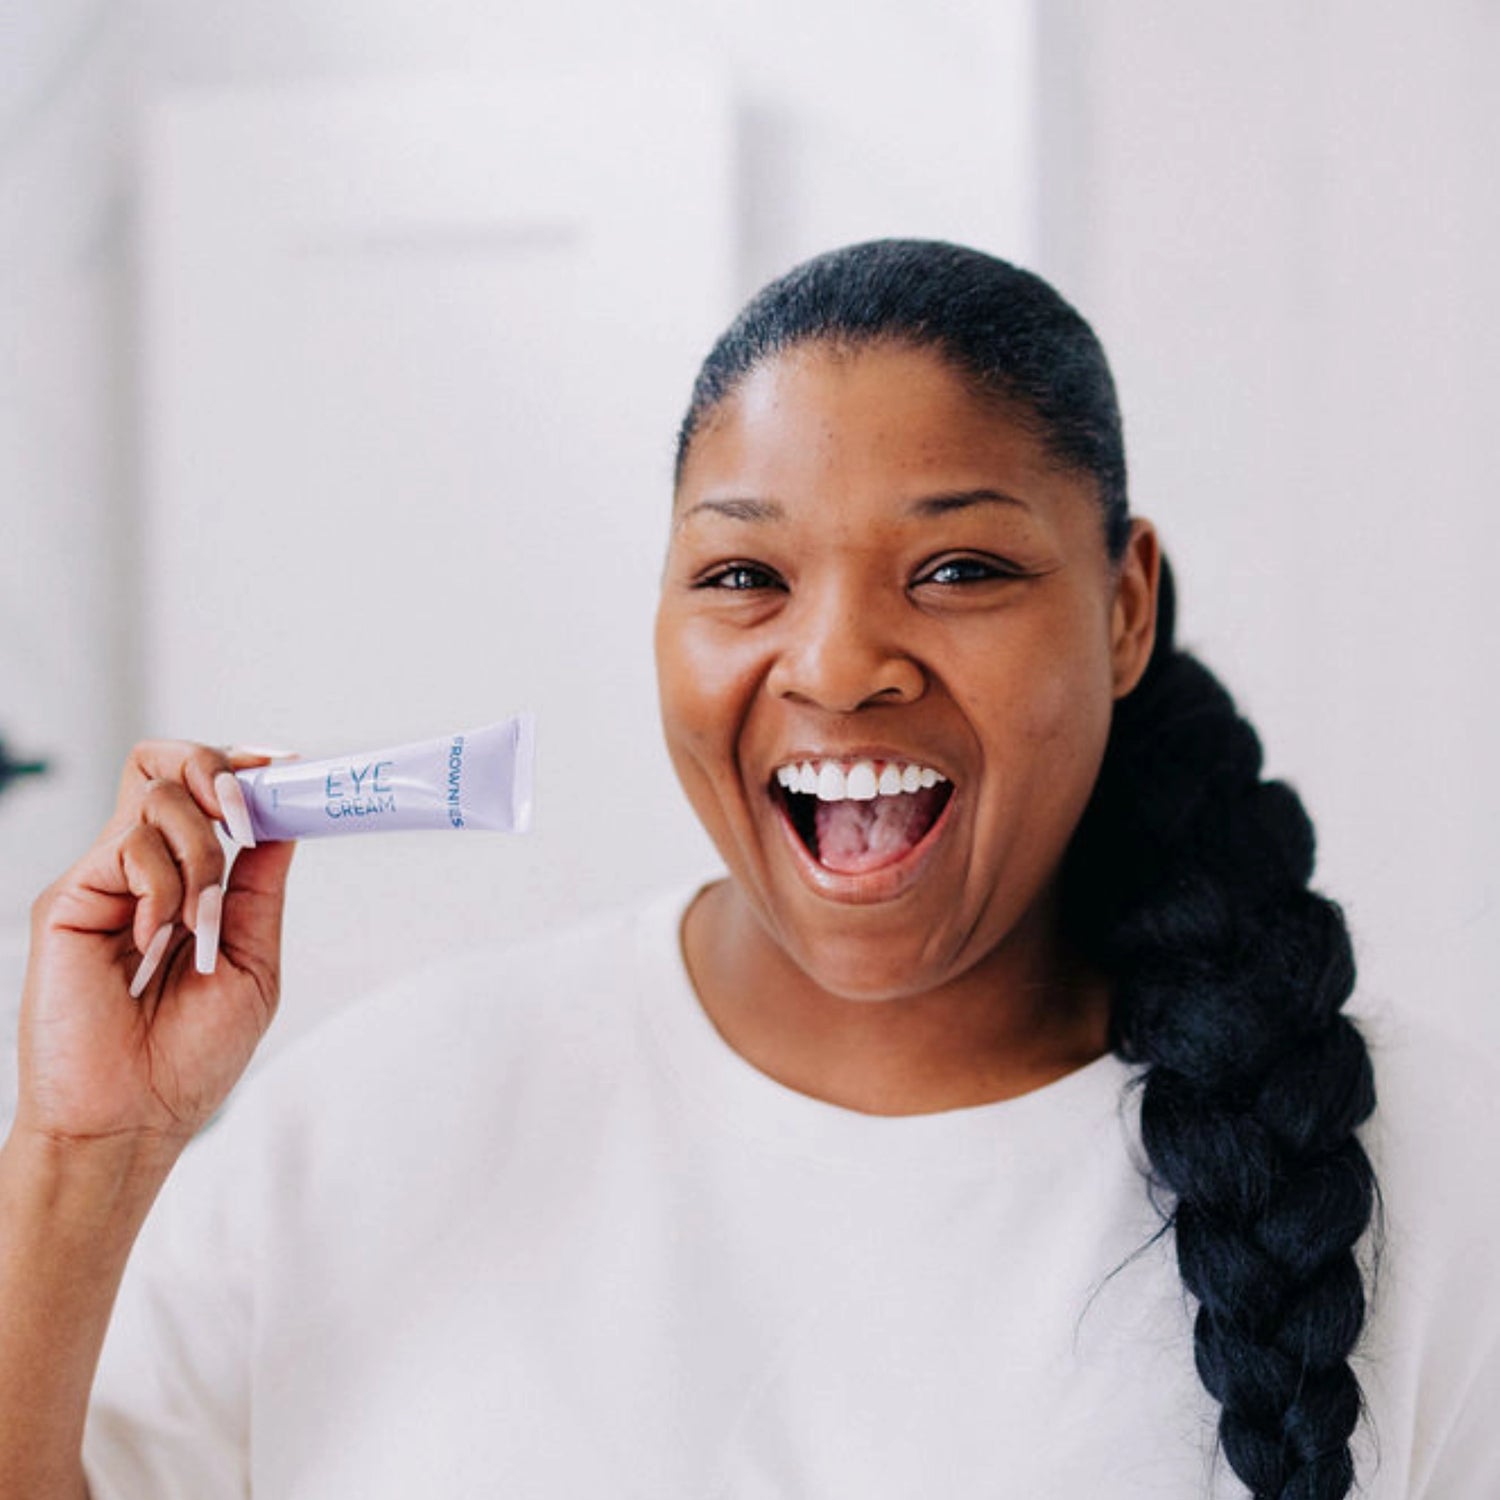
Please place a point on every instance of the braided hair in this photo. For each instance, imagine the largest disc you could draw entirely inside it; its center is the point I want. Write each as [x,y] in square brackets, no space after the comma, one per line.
[1186,882]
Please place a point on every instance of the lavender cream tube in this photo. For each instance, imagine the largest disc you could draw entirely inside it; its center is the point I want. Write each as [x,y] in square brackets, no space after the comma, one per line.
[480,778]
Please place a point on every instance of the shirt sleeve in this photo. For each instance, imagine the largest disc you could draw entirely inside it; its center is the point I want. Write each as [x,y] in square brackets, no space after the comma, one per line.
[169,1415]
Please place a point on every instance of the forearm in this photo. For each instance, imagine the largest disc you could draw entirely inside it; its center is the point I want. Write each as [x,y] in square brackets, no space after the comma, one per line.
[69,1214]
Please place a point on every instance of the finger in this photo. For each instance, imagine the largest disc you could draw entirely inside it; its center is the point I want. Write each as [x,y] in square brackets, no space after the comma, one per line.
[179,762]
[190,835]
[254,900]
[149,871]
[262,871]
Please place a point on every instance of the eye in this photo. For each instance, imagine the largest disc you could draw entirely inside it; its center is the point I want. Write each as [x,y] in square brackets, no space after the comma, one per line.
[738,578]
[951,571]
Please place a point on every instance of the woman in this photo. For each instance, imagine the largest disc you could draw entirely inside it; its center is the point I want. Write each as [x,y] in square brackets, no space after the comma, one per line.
[989,1129]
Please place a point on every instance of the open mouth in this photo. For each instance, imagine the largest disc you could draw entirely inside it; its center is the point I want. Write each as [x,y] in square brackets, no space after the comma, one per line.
[863,815]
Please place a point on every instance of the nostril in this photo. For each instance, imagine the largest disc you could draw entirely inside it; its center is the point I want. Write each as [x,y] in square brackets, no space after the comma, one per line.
[845,686]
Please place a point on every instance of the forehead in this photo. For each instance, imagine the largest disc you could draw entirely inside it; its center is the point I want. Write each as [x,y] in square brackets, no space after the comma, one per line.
[877,417]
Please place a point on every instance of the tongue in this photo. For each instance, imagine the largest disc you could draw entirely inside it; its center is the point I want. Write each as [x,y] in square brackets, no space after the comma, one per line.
[857,836]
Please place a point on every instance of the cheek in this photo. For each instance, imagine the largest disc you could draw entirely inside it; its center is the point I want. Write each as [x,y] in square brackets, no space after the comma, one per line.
[1047,714]
[1070,714]
[704,689]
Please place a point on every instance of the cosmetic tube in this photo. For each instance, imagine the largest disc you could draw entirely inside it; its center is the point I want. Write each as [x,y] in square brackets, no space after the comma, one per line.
[478,779]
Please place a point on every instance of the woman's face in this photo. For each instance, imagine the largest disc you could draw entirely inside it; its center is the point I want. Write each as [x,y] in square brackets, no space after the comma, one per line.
[874,576]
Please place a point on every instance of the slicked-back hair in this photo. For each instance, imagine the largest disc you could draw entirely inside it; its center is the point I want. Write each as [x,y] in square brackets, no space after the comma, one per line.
[1004,330]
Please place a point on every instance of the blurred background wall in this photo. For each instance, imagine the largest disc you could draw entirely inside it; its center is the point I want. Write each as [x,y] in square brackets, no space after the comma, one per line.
[1280,219]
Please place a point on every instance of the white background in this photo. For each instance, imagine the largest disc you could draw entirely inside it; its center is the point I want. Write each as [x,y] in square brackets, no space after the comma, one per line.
[1280,219]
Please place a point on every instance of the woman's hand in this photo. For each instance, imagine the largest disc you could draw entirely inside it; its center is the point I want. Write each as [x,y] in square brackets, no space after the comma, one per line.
[99,1062]
[117,1075]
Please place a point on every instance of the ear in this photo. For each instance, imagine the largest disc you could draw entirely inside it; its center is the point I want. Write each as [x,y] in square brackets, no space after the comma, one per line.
[1132,621]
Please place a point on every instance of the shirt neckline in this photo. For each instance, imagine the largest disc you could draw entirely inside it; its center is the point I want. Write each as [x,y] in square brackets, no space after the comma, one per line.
[1041,1125]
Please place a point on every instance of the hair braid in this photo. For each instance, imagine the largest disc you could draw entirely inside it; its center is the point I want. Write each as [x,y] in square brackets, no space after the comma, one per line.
[1188,882]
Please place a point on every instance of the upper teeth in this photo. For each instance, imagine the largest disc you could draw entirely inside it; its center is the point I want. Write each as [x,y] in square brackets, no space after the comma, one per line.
[833,781]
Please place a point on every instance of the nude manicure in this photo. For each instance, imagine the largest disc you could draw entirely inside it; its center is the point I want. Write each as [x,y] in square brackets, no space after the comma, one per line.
[210,911]
[150,960]
[236,812]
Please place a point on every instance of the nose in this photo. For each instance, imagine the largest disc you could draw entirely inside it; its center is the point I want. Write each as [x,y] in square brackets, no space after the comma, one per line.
[841,655]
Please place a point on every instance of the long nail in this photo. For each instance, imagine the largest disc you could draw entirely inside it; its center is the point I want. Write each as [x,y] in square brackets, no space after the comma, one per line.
[232,804]
[210,910]
[150,960]
[263,752]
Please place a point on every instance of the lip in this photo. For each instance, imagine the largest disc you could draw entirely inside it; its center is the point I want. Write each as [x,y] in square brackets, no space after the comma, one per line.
[872,886]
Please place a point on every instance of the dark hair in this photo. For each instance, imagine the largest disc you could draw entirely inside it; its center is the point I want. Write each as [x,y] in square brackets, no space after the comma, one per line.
[1004,329]
[1186,881]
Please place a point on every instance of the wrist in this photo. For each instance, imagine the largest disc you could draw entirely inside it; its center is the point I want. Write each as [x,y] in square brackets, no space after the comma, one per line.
[84,1186]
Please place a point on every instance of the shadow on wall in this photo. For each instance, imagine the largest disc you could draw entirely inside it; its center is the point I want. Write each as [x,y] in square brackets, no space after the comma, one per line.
[12,769]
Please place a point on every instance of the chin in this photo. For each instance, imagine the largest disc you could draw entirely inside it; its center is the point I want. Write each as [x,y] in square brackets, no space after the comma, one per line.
[868,966]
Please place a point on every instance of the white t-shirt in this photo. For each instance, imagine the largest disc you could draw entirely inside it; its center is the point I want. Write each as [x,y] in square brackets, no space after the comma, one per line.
[527,1227]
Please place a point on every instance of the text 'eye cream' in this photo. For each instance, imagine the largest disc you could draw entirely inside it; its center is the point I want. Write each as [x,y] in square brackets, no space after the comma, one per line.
[477,779]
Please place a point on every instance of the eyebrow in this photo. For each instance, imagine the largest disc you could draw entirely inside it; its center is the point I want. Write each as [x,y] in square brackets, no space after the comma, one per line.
[761,511]
[942,505]
[735,510]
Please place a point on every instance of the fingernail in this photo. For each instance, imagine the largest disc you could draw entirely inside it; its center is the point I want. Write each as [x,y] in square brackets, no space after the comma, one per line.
[231,797]
[150,960]
[264,752]
[210,910]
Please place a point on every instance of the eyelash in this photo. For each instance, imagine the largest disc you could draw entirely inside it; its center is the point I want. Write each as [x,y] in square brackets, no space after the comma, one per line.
[989,568]
[717,579]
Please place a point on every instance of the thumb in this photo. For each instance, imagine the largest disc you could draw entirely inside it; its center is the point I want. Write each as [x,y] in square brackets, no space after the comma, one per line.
[254,898]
